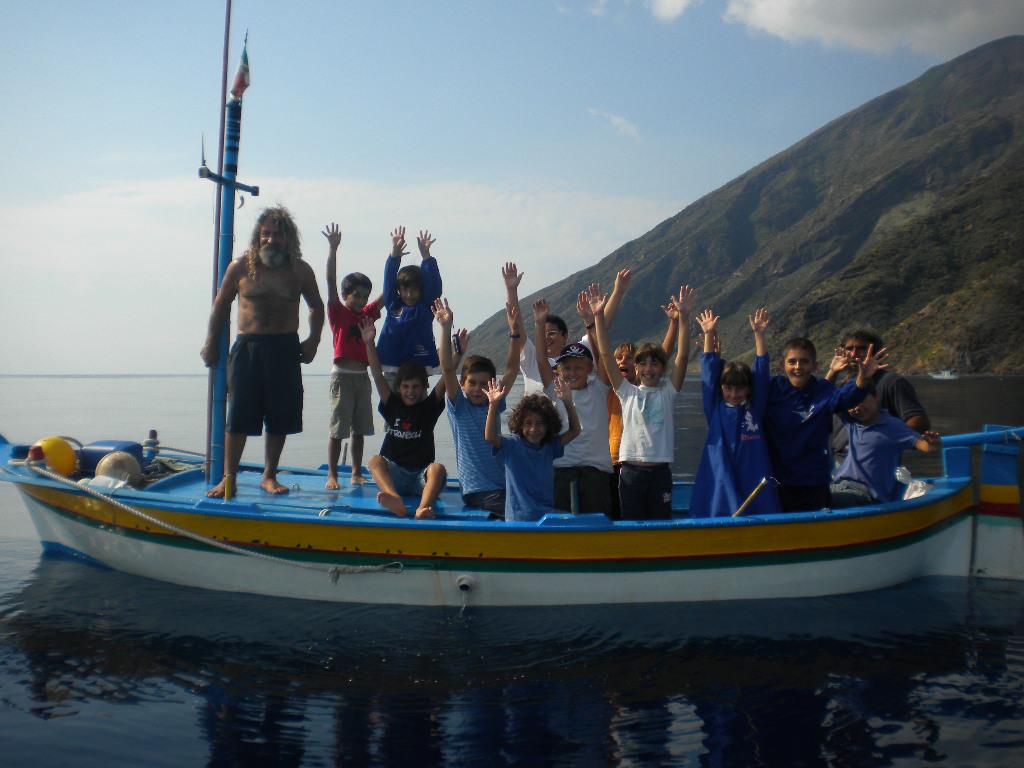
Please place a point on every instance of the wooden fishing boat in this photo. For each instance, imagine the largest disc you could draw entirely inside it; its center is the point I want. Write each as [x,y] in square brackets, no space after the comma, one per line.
[340,546]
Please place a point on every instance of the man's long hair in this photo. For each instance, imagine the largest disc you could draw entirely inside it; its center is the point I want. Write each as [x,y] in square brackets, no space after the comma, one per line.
[280,216]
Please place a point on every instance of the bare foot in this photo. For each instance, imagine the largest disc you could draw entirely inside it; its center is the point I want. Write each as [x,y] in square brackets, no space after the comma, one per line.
[425,513]
[332,483]
[217,492]
[392,503]
[358,479]
[270,485]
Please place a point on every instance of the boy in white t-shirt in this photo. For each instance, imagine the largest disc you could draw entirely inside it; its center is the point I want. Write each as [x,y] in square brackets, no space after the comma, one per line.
[648,439]
[586,461]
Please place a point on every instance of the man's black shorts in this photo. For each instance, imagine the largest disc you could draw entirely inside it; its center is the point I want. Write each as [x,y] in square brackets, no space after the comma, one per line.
[265,384]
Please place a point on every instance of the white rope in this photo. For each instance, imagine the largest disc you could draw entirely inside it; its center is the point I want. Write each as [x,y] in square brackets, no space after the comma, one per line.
[334,571]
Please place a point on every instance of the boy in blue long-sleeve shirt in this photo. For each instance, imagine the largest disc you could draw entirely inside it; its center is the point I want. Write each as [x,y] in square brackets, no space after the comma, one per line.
[409,293]
[799,421]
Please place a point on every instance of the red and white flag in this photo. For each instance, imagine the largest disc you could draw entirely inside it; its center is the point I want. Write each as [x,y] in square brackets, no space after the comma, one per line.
[241,76]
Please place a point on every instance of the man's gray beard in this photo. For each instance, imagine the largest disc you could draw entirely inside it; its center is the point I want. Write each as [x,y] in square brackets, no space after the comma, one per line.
[272,258]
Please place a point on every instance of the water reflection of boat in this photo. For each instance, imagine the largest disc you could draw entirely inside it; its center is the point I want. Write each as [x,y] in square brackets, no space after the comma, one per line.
[630,680]
[339,547]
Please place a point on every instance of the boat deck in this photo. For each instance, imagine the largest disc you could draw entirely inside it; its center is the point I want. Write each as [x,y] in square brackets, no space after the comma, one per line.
[307,495]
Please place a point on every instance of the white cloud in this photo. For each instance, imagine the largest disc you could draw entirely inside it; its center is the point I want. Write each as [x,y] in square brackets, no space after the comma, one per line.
[663,10]
[117,279]
[669,10]
[938,28]
[622,126]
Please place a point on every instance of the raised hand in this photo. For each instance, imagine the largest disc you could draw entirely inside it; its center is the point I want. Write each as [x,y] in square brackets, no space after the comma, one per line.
[562,390]
[687,298]
[583,306]
[596,299]
[398,243]
[622,278]
[367,330]
[511,275]
[495,391]
[463,336]
[515,321]
[708,321]
[759,320]
[333,234]
[424,241]
[540,311]
[841,360]
[671,310]
[442,312]
[872,362]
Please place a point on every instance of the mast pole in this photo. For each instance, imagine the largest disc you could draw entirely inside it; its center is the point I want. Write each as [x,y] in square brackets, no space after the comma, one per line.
[211,385]
[226,180]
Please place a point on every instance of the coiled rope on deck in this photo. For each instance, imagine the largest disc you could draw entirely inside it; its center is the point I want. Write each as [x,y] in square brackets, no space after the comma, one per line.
[334,571]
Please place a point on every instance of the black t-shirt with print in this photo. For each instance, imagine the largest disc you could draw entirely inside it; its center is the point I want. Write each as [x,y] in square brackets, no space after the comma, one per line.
[409,430]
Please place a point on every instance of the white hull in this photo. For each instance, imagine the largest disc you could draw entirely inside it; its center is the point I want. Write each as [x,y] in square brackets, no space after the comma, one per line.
[945,552]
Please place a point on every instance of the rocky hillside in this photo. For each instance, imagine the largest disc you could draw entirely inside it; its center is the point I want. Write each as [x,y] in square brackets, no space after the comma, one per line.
[903,215]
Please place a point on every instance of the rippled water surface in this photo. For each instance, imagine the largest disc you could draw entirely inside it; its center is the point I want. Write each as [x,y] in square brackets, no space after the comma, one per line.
[99,668]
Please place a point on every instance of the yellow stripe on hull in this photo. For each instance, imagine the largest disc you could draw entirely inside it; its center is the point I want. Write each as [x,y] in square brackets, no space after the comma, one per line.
[1000,494]
[418,540]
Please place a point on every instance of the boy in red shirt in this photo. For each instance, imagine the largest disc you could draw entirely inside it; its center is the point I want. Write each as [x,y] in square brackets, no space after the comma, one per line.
[351,411]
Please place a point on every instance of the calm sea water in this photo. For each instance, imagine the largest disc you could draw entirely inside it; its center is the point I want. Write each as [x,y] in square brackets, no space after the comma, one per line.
[99,668]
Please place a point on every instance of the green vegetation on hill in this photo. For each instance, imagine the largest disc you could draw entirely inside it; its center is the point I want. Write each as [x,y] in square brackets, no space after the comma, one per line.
[903,215]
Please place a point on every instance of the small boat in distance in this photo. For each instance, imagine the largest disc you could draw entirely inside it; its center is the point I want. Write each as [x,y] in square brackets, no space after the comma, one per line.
[945,374]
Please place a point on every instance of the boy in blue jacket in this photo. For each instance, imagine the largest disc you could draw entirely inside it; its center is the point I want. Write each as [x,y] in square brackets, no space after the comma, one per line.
[799,421]
[735,457]
[409,293]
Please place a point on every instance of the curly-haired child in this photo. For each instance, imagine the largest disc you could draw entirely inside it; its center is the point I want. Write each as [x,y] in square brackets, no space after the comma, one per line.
[530,451]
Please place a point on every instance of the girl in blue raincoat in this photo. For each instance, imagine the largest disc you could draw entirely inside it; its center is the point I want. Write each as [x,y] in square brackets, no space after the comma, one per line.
[735,459]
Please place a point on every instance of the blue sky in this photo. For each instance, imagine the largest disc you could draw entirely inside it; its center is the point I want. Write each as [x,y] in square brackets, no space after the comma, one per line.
[545,132]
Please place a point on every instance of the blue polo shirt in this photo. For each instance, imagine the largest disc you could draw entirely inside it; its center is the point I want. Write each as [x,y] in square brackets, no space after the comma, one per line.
[874,454]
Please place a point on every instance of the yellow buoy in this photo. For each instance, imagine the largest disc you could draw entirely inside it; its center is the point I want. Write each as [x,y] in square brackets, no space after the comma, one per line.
[60,456]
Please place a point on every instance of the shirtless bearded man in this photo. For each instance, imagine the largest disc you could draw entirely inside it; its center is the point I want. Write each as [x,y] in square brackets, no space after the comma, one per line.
[264,376]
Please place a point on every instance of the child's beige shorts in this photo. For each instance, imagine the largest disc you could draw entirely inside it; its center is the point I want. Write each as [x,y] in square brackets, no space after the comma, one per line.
[351,410]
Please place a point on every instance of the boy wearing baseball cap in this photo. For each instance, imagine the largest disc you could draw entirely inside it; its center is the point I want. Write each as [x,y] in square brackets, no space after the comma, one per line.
[586,461]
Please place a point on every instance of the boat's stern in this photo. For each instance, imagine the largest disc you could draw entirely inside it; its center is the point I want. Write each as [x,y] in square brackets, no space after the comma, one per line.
[999,528]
